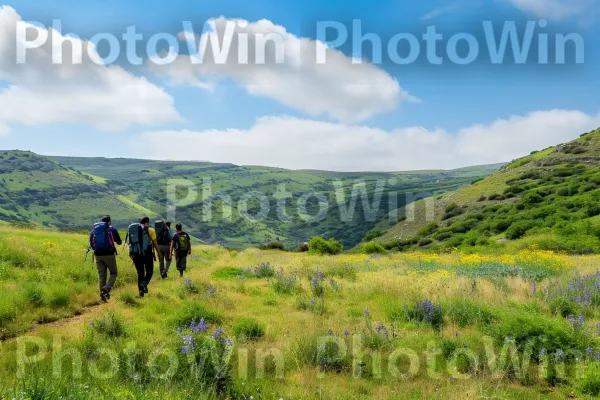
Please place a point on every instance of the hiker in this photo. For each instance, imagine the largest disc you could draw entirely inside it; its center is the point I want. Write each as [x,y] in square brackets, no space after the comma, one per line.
[142,243]
[164,235]
[102,240]
[183,248]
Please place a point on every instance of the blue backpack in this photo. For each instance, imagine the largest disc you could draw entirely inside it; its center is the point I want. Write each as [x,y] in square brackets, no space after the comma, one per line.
[139,241]
[102,240]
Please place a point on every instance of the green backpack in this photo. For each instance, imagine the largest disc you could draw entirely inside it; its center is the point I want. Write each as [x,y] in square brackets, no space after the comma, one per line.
[183,242]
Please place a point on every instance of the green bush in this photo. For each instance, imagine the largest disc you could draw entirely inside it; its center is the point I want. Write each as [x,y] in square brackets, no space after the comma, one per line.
[372,248]
[425,242]
[373,235]
[318,245]
[272,246]
[429,229]
[518,229]
[249,328]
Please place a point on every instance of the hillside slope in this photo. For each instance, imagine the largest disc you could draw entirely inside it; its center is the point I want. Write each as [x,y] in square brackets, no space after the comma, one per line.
[549,199]
[144,182]
[36,189]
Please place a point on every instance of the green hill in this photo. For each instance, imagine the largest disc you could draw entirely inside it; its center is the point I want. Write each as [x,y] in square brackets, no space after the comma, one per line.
[38,190]
[549,199]
[71,193]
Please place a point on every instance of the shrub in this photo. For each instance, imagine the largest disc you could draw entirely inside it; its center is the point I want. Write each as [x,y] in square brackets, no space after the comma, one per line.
[302,248]
[372,248]
[425,242]
[496,197]
[429,229]
[272,246]
[518,229]
[318,245]
[482,198]
[451,211]
[373,235]
[249,328]
[524,328]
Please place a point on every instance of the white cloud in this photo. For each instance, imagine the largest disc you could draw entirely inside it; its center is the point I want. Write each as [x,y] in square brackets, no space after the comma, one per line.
[556,9]
[339,89]
[39,92]
[305,144]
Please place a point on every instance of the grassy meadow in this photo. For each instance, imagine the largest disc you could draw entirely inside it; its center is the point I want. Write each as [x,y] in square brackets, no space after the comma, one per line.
[270,324]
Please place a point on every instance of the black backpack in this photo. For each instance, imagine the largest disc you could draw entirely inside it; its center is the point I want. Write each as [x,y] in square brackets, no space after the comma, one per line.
[162,233]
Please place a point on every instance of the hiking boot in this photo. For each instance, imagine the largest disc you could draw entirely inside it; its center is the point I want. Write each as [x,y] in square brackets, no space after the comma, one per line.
[145,288]
[104,295]
[181,273]
[141,288]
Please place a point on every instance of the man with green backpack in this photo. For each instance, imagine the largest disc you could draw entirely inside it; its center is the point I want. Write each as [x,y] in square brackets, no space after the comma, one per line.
[183,248]
[164,235]
[142,243]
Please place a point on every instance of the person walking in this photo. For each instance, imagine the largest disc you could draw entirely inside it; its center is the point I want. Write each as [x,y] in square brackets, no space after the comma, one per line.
[183,248]
[164,237]
[102,240]
[142,242]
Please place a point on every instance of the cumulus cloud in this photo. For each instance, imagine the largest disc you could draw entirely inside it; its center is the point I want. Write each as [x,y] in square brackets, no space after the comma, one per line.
[38,92]
[338,88]
[556,9]
[305,144]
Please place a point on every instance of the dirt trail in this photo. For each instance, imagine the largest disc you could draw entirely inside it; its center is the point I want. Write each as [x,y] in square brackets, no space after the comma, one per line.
[67,321]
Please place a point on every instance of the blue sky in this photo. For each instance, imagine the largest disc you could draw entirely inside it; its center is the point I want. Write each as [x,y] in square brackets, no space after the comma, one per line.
[464,115]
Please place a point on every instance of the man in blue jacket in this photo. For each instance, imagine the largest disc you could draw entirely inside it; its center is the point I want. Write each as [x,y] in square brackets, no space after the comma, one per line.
[102,239]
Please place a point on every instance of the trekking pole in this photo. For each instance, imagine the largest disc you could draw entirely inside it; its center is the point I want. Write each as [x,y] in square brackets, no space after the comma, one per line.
[86,256]
[125,242]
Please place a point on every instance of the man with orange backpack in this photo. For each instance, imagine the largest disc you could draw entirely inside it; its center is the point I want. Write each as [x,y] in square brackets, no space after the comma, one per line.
[102,240]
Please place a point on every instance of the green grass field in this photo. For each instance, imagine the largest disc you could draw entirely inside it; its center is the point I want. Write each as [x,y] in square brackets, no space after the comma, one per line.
[270,325]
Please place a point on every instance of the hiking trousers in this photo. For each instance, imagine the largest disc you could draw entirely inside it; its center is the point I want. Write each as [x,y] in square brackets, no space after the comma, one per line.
[181,261]
[145,268]
[106,264]
[163,258]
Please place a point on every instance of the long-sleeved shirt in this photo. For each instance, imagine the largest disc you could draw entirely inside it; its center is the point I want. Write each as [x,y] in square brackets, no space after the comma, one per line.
[117,239]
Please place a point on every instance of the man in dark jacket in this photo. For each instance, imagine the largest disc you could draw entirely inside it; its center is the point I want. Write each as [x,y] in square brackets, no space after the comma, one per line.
[106,259]
[183,248]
